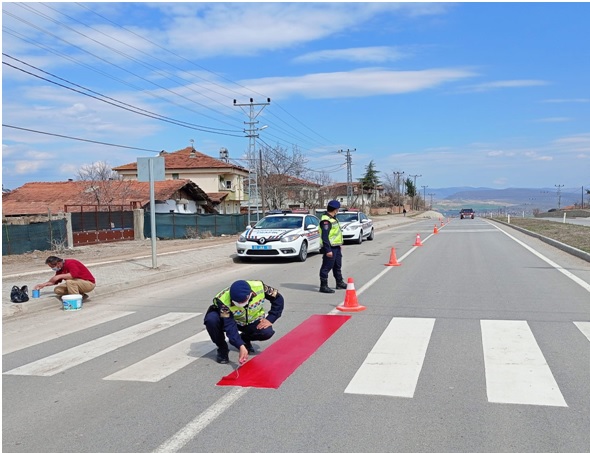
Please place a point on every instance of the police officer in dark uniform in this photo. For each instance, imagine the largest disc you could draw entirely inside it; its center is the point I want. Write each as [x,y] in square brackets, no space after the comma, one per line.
[331,241]
[238,312]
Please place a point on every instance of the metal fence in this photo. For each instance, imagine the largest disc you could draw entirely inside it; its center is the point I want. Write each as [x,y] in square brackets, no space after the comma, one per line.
[19,239]
[182,226]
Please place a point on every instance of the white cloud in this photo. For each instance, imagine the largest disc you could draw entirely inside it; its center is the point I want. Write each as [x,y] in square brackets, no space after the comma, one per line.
[556,119]
[69,170]
[575,100]
[504,84]
[535,156]
[376,54]
[578,144]
[358,83]
[22,167]
[208,29]
[499,153]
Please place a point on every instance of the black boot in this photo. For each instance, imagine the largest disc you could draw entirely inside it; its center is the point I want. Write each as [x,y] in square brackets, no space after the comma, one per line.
[324,288]
[341,285]
[222,355]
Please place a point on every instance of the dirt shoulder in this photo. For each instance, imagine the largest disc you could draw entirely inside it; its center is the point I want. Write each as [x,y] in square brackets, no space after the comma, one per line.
[112,251]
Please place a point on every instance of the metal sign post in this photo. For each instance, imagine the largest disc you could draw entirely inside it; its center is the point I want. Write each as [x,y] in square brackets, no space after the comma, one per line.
[151,169]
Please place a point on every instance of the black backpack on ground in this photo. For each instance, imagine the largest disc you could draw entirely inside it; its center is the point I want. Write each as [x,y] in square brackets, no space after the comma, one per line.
[18,295]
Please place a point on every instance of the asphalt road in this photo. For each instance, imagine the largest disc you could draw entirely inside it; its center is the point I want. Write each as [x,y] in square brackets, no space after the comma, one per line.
[478,342]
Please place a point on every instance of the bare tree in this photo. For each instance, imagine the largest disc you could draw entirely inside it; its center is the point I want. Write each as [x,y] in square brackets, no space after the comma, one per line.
[105,186]
[323,179]
[390,187]
[277,165]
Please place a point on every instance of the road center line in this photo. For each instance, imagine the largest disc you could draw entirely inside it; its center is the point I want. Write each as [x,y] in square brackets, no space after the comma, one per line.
[195,426]
[182,437]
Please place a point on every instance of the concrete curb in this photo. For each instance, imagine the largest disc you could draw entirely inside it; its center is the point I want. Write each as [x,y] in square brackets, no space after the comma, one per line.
[49,301]
[560,245]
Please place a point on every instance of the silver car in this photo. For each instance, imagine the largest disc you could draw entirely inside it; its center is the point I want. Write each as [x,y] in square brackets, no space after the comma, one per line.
[356,226]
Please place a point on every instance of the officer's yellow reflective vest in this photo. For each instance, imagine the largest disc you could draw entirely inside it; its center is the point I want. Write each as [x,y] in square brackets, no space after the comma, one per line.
[335,234]
[251,312]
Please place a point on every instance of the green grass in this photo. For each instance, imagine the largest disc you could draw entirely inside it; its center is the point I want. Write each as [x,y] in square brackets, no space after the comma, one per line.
[577,236]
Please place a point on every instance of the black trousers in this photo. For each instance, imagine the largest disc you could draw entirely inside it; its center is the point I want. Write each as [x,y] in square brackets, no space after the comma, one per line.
[216,328]
[333,264]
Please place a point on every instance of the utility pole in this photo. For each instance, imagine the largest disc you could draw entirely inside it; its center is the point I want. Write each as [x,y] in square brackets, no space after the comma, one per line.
[424,187]
[348,175]
[414,194]
[559,186]
[252,135]
[397,175]
[431,195]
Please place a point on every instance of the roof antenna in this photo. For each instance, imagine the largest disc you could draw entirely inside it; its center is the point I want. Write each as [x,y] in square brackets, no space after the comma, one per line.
[193,151]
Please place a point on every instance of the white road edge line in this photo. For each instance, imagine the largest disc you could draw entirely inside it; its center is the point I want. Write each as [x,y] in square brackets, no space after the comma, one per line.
[565,272]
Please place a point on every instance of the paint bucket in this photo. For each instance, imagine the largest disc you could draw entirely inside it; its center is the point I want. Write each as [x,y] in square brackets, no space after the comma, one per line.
[36,293]
[72,302]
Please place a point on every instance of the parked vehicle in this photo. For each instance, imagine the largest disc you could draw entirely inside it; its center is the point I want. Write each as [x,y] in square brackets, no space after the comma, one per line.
[468,212]
[356,226]
[287,235]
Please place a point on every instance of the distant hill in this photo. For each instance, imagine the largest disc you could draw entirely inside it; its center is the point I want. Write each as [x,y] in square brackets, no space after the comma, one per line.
[514,200]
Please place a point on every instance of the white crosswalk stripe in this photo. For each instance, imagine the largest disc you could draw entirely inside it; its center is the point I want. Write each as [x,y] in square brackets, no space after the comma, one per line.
[584,328]
[69,358]
[393,366]
[515,368]
[53,328]
[166,362]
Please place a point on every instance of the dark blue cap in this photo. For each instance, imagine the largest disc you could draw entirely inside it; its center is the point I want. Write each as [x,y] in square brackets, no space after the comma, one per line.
[333,204]
[239,291]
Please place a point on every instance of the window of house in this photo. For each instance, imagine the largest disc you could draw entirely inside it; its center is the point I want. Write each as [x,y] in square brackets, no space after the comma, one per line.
[175,176]
[228,184]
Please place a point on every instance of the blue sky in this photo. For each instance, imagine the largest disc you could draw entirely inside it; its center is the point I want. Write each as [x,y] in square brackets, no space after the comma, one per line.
[465,94]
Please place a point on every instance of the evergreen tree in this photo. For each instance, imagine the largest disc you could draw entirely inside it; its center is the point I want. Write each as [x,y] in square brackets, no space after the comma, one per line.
[370,180]
[410,188]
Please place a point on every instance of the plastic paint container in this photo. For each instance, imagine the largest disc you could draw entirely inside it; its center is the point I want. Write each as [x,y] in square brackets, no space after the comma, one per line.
[72,302]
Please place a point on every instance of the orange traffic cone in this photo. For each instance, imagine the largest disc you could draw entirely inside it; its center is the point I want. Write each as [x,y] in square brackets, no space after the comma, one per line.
[350,301]
[393,259]
[435,230]
[418,242]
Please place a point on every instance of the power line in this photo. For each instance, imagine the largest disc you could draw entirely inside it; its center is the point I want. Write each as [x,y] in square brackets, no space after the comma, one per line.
[205,69]
[121,53]
[125,70]
[80,139]
[119,106]
[151,114]
[288,124]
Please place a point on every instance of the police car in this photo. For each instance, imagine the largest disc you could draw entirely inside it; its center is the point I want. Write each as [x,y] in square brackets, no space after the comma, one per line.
[283,235]
[356,226]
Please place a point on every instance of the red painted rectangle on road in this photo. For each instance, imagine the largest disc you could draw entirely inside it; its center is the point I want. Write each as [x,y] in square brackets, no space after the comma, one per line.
[275,364]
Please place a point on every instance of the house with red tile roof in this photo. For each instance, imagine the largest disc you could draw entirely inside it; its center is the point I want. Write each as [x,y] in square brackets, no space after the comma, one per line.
[360,198]
[284,191]
[43,198]
[221,180]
